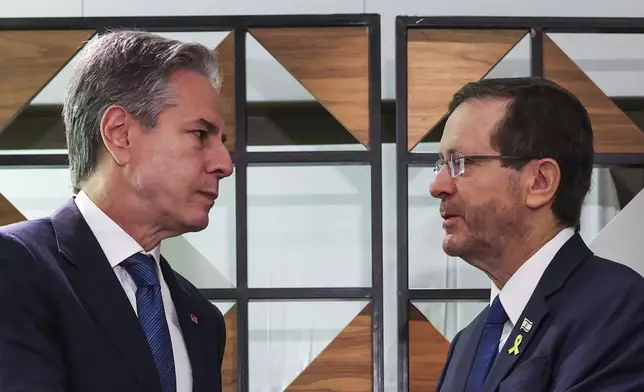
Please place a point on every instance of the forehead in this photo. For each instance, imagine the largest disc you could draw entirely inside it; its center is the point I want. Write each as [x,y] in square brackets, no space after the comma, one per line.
[197,96]
[469,128]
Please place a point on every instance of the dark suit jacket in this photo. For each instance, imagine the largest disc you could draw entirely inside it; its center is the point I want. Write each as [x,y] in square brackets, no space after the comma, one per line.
[66,323]
[587,332]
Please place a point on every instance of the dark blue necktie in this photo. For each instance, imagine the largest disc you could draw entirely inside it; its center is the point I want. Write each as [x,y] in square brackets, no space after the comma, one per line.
[149,304]
[488,346]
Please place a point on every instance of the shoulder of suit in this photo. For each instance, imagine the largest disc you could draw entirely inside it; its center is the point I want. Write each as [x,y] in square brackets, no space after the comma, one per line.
[28,232]
[603,287]
[19,250]
[614,274]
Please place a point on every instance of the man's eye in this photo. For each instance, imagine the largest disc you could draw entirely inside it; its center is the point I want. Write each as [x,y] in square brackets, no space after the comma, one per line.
[203,135]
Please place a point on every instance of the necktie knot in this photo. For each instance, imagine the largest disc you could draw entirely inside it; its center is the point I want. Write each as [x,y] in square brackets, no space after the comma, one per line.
[143,270]
[497,314]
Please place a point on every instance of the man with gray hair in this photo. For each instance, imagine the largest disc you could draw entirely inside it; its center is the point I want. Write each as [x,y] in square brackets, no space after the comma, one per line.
[86,301]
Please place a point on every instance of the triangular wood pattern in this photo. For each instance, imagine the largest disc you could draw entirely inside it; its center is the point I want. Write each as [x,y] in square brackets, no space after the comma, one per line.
[28,62]
[229,367]
[345,364]
[427,352]
[226,57]
[440,62]
[613,131]
[332,63]
[8,213]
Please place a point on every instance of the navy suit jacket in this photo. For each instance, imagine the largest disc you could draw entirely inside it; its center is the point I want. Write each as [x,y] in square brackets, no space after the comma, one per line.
[66,324]
[587,332]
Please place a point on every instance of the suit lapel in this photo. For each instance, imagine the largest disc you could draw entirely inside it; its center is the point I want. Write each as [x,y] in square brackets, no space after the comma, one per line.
[571,254]
[102,296]
[465,351]
[189,323]
[520,338]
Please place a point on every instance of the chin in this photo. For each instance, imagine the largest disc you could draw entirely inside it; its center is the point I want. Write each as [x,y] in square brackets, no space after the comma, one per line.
[451,246]
[197,223]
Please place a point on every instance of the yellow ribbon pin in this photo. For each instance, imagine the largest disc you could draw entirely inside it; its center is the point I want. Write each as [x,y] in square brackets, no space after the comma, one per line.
[515,349]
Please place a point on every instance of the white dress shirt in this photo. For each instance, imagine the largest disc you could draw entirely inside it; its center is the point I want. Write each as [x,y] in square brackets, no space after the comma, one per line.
[519,288]
[118,246]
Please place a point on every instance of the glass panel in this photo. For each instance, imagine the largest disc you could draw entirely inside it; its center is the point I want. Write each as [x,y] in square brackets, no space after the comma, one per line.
[282,114]
[309,226]
[516,63]
[299,344]
[449,317]
[225,307]
[35,192]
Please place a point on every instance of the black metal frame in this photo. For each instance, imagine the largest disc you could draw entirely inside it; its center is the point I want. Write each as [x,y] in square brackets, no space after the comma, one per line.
[242,294]
[537,26]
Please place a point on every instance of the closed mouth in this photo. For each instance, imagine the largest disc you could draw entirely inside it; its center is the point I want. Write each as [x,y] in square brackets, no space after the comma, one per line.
[212,195]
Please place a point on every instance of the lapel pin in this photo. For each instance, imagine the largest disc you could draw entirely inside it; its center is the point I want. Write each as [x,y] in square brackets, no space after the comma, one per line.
[526,325]
[515,349]
[194,319]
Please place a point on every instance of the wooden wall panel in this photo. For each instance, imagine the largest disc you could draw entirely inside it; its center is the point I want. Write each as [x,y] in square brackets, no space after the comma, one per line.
[427,352]
[229,367]
[9,213]
[29,60]
[226,55]
[332,63]
[440,62]
[613,131]
[345,364]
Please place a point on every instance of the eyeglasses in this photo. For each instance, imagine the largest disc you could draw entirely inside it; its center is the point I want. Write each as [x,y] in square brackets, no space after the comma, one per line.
[456,162]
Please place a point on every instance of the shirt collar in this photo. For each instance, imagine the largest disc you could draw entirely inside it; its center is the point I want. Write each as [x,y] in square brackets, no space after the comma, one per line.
[519,288]
[113,240]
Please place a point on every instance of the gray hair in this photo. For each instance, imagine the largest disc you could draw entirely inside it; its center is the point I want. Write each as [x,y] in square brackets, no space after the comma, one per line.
[129,68]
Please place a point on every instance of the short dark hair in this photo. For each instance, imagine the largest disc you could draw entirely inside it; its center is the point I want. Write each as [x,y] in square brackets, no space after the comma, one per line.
[546,121]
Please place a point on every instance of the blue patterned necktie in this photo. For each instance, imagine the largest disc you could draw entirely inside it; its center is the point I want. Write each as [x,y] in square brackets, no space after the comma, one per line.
[149,304]
[488,346]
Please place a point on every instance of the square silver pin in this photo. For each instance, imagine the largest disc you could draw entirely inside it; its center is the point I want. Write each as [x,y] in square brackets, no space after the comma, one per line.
[526,325]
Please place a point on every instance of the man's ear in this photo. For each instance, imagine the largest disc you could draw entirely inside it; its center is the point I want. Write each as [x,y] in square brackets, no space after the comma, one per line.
[116,125]
[543,178]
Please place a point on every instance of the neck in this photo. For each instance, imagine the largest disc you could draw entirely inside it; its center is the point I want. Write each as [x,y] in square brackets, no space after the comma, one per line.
[516,252]
[128,211]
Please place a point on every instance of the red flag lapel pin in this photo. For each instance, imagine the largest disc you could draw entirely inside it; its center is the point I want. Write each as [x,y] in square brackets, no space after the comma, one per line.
[194,319]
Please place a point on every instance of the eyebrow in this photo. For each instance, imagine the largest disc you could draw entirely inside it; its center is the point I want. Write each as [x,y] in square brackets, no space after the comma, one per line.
[449,152]
[212,128]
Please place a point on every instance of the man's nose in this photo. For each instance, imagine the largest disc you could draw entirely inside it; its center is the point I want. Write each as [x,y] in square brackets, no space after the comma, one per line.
[443,184]
[221,162]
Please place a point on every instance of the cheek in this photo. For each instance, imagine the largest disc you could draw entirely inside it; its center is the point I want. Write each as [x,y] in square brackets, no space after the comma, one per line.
[488,206]
[165,176]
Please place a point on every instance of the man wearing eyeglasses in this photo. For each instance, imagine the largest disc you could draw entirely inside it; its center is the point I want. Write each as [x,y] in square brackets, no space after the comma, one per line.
[515,165]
